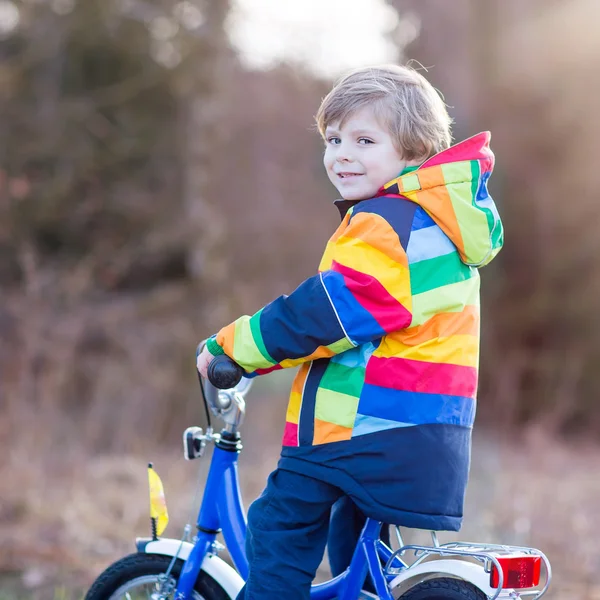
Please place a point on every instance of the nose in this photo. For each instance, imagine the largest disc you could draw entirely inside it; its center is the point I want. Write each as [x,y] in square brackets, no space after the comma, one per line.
[343,153]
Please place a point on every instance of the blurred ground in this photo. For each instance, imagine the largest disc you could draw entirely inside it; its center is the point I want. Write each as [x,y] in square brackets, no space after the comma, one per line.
[62,524]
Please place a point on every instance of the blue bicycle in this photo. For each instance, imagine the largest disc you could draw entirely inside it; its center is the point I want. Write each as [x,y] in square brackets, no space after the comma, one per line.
[171,569]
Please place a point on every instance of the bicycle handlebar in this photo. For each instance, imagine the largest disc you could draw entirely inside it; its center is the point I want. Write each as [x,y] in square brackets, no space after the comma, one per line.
[223,373]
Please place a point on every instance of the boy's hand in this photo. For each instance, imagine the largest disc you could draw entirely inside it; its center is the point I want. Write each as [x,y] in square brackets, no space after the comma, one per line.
[204,359]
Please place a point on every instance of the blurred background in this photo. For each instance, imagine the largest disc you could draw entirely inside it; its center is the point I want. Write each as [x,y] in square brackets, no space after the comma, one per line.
[160,174]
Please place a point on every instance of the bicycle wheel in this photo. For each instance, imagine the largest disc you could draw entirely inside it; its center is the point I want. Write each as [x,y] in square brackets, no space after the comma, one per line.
[444,588]
[138,576]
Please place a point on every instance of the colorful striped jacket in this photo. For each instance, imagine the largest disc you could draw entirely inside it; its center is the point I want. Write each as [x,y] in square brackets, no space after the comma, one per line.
[387,339]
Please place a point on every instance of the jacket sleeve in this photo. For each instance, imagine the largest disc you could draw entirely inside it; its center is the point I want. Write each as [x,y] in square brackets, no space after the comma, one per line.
[363,294]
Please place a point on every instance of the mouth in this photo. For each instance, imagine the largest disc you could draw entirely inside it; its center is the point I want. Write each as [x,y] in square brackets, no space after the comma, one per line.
[345,175]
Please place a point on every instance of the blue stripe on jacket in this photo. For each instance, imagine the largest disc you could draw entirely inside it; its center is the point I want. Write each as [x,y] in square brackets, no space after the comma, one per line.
[301,322]
[399,214]
[306,425]
[416,408]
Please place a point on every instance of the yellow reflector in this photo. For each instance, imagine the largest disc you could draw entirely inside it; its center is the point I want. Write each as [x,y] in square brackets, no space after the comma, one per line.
[158,503]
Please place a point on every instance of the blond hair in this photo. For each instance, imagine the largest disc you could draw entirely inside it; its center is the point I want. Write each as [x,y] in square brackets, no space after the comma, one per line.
[402,99]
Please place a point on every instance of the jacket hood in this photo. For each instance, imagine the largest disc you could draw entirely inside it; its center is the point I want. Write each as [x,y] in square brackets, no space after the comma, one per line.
[452,187]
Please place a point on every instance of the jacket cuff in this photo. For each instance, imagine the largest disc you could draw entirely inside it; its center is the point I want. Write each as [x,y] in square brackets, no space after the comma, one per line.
[213,347]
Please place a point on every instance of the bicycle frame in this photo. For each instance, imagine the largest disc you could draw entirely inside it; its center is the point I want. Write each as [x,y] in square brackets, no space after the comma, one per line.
[222,510]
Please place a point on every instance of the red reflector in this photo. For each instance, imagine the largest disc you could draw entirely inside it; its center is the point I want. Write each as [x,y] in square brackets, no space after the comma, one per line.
[522,571]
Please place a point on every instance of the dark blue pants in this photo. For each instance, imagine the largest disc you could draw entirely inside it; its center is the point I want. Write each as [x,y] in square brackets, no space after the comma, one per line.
[287,533]
[345,527]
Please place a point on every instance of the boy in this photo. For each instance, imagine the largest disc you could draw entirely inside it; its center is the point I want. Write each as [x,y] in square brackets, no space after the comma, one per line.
[387,333]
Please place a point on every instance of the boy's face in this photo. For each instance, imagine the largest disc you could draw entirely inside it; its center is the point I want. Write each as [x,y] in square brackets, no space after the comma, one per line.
[360,156]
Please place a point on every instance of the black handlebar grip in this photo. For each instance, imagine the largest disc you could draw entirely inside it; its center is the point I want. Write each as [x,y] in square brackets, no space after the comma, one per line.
[224,373]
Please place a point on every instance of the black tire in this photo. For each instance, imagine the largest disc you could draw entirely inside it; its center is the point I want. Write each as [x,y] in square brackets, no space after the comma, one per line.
[444,588]
[140,565]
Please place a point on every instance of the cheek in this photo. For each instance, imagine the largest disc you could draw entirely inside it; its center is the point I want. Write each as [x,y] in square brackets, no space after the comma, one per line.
[390,166]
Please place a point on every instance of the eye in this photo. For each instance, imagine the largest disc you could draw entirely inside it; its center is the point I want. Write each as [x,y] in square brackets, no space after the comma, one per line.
[364,141]
[333,140]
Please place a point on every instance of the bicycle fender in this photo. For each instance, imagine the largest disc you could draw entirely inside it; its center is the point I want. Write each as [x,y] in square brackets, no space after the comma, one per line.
[226,576]
[460,569]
